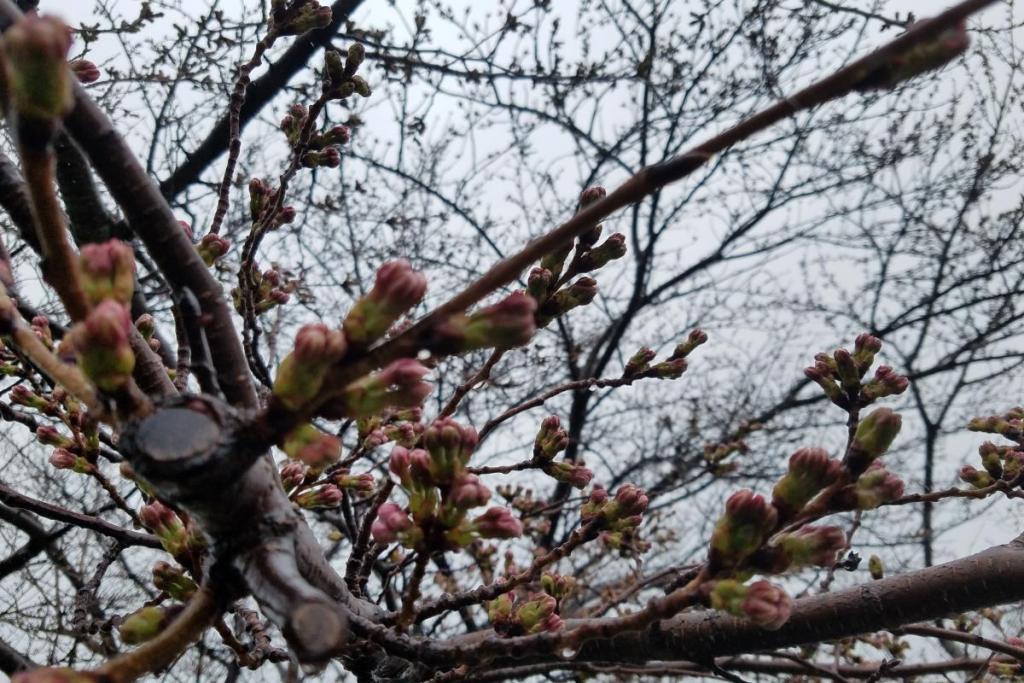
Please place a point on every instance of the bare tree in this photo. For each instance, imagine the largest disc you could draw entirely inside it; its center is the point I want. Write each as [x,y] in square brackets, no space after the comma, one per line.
[225,453]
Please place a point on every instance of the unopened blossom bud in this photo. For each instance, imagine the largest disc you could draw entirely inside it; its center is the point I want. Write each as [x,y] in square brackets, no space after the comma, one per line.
[328,496]
[166,526]
[63,459]
[669,369]
[146,326]
[693,340]
[846,369]
[310,17]
[399,385]
[334,69]
[638,362]
[503,325]
[631,499]
[41,326]
[173,581]
[747,521]
[336,135]
[979,479]
[875,567]
[610,250]
[392,521]
[49,436]
[537,614]
[361,87]
[551,439]
[468,491]
[450,445]
[1010,425]
[357,483]
[146,623]
[85,71]
[354,57]
[102,346]
[875,433]
[108,271]
[292,474]
[501,614]
[301,374]
[212,248]
[594,505]
[1013,465]
[918,59]
[557,586]
[874,488]
[38,79]
[538,284]
[816,545]
[397,289]
[885,383]
[259,195]
[400,464]
[822,378]
[579,293]
[328,157]
[766,605]
[810,470]
[990,458]
[22,395]
[577,476]
[498,522]
[312,447]
[864,350]
[592,195]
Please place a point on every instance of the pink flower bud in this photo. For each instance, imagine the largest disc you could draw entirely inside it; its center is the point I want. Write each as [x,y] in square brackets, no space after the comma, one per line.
[498,522]
[398,289]
[747,521]
[38,80]
[328,496]
[390,523]
[506,324]
[877,486]
[63,459]
[49,436]
[639,362]
[301,374]
[591,195]
[817,545]
[977,478]
[85,71]
[313,448]
[359,483]
[551,439]
[577,476]
[468,492]
[810,471]
[292,474]
[108,271]
[212,248]
[102,346]
[767,605]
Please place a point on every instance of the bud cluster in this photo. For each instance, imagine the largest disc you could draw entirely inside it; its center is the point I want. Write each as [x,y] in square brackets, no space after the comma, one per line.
[340,78]
[619,517]
[841,375]
[397,289]
[765,604]
[270,289]
[535,613]
[441,492]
